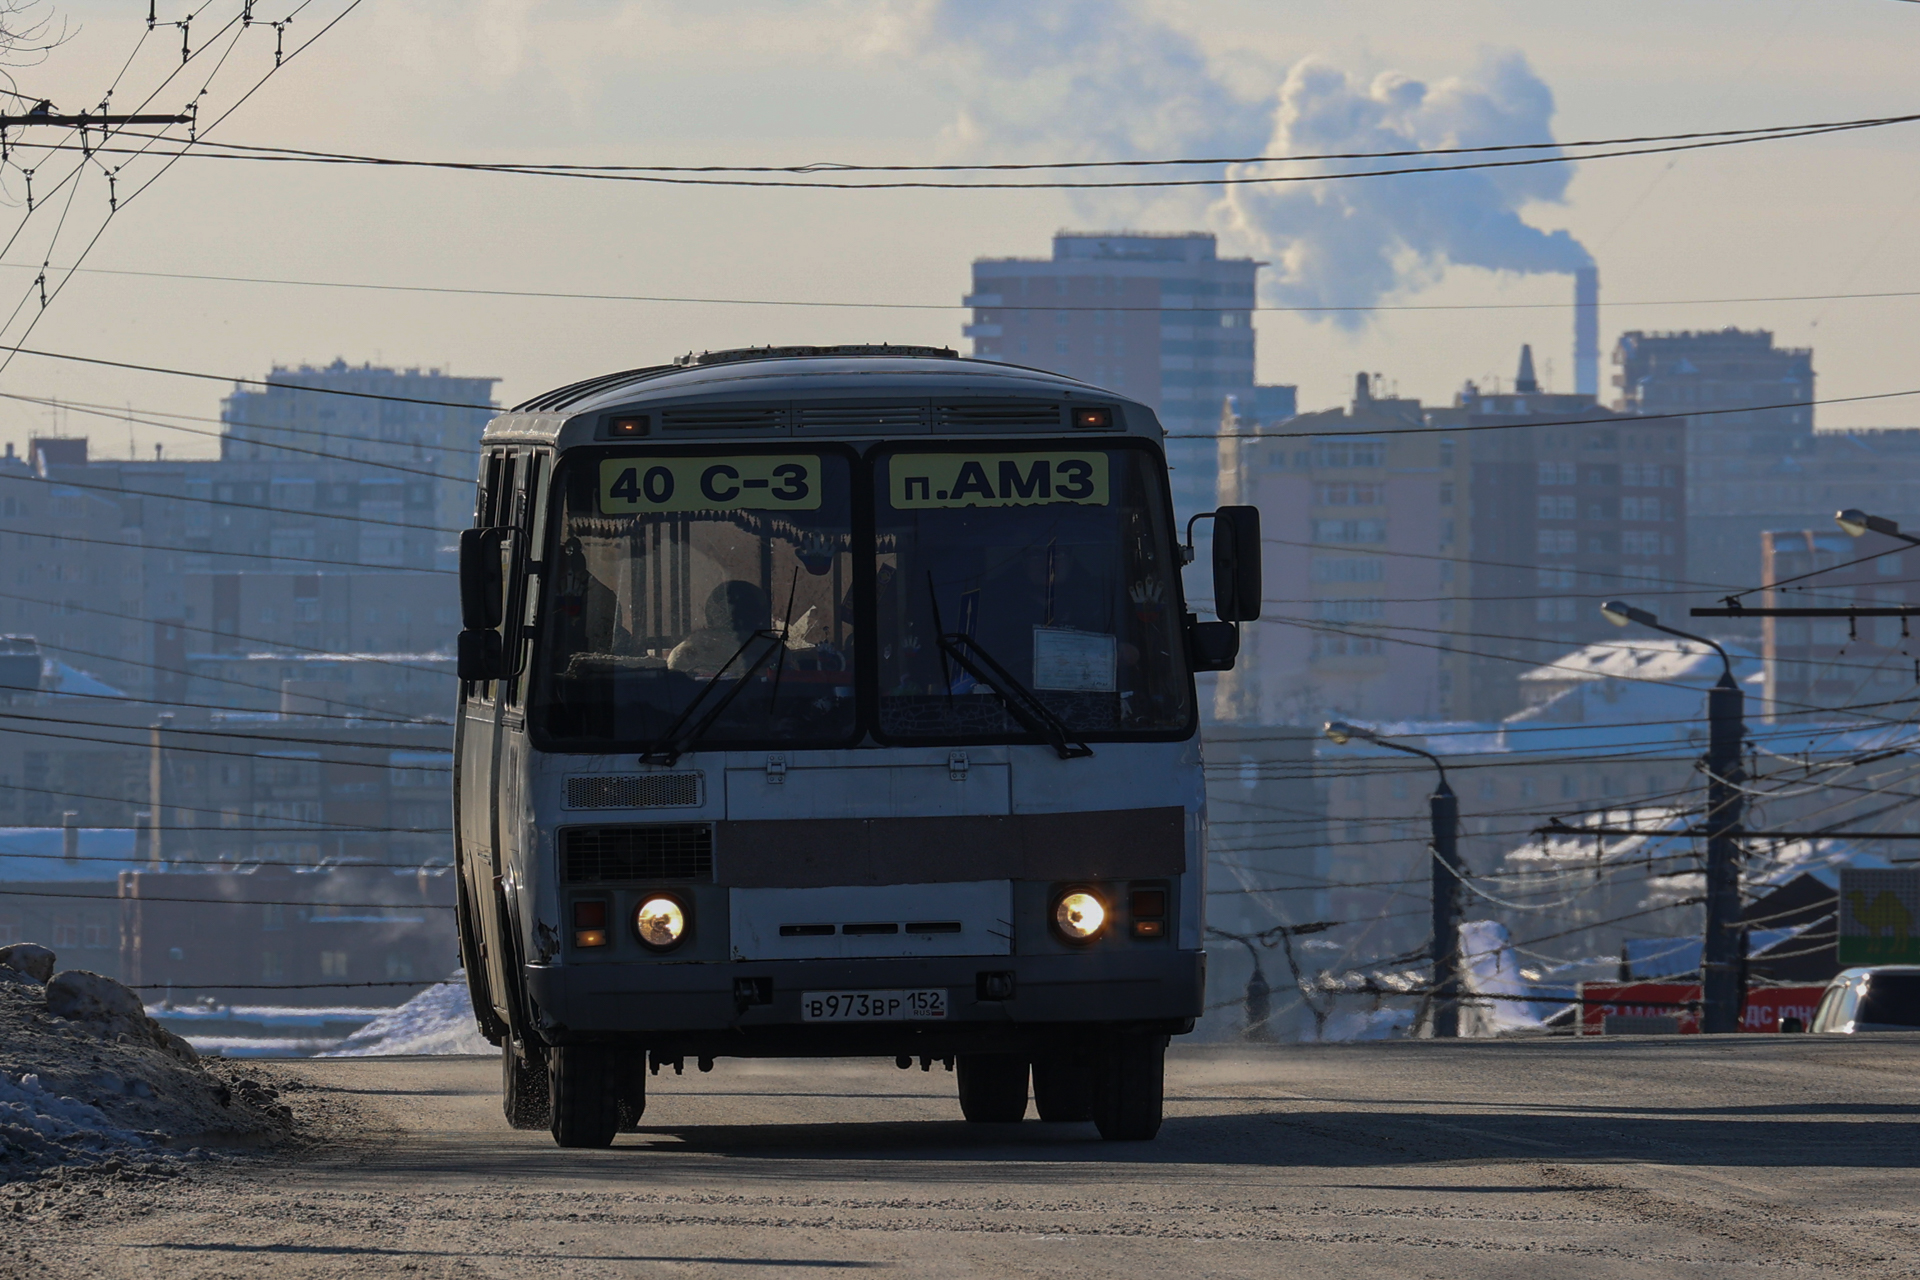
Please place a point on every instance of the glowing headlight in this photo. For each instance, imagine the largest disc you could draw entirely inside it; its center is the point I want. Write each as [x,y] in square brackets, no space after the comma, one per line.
[660,922]
[1079,916]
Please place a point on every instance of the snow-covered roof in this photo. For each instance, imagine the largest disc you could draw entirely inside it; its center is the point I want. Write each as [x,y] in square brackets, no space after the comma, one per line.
[1666,659]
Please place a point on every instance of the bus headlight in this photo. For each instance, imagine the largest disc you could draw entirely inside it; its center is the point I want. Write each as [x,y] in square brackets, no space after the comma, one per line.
[660,922]
[1079,915]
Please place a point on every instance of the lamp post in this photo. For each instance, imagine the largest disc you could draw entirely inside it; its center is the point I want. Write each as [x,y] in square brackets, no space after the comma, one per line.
[1444,809]
[1856,523]
[1721,958]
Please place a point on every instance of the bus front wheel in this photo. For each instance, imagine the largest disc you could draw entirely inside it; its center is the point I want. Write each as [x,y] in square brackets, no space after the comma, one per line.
[1128,1087]
[583,1095]
[993,1087]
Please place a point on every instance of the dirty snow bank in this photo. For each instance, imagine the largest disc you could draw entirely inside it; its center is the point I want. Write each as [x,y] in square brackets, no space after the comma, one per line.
[438,1020]
[85,1075]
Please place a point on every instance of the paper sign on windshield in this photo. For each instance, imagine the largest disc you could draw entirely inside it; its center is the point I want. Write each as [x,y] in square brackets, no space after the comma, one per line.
[916,481]
[1068,659]
[740,483]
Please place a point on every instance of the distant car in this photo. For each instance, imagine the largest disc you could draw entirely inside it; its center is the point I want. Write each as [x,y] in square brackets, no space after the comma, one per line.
[1883,998]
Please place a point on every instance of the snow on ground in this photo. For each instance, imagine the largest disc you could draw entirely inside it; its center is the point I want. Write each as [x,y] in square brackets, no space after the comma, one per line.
[86,1078]
[438,1020]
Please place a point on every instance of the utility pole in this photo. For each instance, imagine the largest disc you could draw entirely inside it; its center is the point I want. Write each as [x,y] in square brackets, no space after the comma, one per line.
[1444,807]
[1722,989]
[156,772]
[1444,810]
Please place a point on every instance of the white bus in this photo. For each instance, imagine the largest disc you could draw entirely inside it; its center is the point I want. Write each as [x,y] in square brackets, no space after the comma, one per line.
[828,702]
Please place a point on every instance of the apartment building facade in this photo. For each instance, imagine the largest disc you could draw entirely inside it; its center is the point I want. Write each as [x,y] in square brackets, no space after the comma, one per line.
[1364,511]
[1161,318]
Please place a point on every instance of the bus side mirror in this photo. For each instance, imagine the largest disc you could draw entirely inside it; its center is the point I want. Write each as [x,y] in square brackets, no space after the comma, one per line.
[480,655]
[483,578]
[1236,564]
[1212,646]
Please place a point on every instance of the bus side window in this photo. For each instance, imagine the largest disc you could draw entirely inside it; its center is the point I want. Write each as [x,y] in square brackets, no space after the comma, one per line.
[529,512]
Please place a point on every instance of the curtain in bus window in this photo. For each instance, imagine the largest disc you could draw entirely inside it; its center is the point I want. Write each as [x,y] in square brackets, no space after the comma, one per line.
[1055,562]
[678,581]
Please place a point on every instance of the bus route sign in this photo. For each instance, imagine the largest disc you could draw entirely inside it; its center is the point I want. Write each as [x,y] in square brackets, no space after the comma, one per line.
[741,482]
[919,481]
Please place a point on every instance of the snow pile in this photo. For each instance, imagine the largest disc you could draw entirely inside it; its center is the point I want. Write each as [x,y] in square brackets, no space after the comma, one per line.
[85,1074]
[1489,969]
[37,1123]
[438,1020]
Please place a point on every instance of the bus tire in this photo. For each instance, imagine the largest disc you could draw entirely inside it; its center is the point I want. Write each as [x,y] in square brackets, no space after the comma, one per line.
[1062,1089]
[1129,1085]
[993,1087]
[583,1095]
[523,1085]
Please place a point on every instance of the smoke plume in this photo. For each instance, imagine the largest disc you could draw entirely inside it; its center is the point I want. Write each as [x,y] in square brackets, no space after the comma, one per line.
[1352,242]
[1085,79]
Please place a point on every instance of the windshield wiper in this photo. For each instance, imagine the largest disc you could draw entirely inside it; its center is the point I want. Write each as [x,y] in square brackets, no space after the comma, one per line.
[1021,702]
[668,747]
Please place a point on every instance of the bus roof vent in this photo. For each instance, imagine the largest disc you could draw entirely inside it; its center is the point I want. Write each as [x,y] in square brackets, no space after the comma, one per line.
[634,791]
[999,415]
[723,418]
[737,354]
[860,418]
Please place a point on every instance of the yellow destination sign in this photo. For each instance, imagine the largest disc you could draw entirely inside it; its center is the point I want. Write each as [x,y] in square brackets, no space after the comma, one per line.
[917,481]
[748,482]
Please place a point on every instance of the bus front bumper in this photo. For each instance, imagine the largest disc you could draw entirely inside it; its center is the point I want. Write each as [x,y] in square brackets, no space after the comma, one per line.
[748,1008]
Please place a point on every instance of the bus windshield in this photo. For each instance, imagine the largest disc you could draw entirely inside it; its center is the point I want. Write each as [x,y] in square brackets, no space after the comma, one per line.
[1056,563]
[681,582]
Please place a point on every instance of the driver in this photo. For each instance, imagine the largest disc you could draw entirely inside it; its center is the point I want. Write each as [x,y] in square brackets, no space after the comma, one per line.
[735,610]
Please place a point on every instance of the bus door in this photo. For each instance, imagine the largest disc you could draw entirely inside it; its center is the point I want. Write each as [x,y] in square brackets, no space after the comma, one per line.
[479,809]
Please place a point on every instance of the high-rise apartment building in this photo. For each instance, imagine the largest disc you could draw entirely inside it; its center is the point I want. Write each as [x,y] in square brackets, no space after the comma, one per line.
[418,418]
[1818,663]
[1573,506]
[1161,318]
[1750,421]
[1363,521]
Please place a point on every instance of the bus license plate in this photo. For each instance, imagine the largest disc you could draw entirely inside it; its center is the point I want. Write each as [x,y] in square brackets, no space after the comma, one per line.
[872,1006]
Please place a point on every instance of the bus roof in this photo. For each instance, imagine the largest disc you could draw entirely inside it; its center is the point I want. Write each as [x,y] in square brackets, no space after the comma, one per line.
[818,392]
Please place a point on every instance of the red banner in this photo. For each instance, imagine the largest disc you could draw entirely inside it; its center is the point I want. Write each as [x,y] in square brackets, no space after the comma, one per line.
[1765,1006]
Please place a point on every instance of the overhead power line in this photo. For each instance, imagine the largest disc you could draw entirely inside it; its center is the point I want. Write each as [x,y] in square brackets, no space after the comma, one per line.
[700,300]
[653,176]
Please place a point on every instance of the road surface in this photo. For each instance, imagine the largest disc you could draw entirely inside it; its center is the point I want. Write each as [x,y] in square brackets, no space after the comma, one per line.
[1682,1156]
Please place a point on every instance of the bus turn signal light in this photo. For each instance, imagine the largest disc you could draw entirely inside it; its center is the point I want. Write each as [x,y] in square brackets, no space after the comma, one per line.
[1092,419]
[1148,907]
[590,924]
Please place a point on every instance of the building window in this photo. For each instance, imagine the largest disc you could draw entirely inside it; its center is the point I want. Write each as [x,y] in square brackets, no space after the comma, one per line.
[333,964]
[1349,531]
[1349,495]
[1357,569]
[1446,495]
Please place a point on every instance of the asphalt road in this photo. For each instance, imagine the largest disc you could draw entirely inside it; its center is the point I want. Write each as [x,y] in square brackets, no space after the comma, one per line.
[1735,1156]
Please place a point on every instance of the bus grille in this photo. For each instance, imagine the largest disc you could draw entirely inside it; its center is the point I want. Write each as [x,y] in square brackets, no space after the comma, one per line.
[680,852]
[634,791]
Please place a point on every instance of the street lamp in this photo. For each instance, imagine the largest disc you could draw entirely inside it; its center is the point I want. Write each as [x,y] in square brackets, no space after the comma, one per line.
[1856,523]
[1444,809]
[1721,960]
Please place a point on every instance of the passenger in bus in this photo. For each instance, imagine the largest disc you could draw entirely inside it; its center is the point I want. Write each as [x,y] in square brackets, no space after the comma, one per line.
[735,610]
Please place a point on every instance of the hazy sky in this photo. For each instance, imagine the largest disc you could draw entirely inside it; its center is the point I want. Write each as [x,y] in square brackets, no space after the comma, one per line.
[735,81]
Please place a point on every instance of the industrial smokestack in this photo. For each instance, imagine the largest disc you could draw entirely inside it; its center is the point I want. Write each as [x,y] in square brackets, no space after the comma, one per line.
[1586,331]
